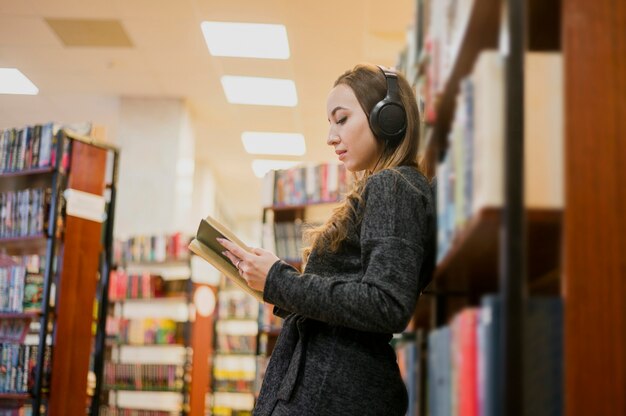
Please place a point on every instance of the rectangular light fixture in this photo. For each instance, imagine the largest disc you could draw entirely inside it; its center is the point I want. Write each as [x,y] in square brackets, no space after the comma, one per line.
[12,81]
[246,40]
[265,143]
[260,91]
[262,166]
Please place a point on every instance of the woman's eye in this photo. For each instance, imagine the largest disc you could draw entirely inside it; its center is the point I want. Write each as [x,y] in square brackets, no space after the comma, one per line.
[342,120]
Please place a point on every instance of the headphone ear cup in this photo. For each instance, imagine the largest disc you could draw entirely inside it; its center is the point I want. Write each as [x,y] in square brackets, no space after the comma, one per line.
[388,121]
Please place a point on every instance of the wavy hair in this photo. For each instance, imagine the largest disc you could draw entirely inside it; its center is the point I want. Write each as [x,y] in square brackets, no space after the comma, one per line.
[369,86]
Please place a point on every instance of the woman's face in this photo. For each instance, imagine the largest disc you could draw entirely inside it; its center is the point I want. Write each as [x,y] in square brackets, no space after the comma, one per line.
[349,133]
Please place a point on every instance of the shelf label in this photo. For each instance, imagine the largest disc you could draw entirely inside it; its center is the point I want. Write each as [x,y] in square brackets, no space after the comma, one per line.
[85,205]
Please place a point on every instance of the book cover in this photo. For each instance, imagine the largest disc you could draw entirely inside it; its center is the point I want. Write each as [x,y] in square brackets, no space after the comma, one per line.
[206,246]
[33,292]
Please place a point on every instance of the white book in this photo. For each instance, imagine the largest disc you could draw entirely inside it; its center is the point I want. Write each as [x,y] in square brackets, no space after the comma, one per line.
[543,130]
[488,79]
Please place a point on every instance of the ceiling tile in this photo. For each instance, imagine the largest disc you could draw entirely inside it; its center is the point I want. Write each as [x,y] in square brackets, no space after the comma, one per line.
[90,32]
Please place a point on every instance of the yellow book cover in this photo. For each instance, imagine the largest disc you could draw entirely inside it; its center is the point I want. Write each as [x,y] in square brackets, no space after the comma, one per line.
[205,245]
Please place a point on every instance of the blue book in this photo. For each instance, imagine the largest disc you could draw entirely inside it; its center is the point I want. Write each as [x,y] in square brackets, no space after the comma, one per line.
[439,370]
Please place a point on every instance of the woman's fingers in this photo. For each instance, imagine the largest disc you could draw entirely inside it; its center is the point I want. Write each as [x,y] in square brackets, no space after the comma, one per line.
[233,248]
[233,259]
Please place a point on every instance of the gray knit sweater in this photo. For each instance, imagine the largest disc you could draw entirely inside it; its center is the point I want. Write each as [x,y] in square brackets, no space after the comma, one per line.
[333,355]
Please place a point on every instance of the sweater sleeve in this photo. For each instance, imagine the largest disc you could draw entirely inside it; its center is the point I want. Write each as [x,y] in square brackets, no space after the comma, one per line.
[391,239]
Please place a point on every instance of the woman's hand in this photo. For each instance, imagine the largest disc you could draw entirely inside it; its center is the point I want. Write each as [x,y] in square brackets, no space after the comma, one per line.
[253,267]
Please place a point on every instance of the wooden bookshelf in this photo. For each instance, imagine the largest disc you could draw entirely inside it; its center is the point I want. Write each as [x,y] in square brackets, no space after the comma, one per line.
[471,264]
[79,276]
[80,166]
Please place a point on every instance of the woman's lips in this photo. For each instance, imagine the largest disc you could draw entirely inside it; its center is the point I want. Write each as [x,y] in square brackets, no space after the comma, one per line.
[341,154]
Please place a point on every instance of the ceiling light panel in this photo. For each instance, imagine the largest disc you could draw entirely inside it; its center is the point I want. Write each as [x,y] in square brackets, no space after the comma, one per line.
[260,91]
[266,143]
[262,166]
[12,81]
[246,40]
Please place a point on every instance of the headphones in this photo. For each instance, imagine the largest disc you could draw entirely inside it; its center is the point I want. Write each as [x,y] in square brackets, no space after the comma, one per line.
[388,117]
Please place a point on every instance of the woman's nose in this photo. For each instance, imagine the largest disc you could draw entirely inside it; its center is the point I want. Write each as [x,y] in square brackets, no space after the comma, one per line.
[333,139]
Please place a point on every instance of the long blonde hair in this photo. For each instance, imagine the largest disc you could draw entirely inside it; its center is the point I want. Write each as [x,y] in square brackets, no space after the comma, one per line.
[369,86]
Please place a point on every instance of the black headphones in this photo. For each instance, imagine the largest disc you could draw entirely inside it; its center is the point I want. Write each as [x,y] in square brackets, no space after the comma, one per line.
[388,117]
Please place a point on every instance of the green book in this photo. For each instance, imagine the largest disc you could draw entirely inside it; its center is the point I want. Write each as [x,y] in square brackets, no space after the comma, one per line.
[205,245]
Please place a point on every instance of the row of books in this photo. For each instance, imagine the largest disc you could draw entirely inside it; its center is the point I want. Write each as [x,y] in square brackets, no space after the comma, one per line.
[148,331]
[24,213]
[17,367]
[123,285]
[306,184]
[151,248]
[21,286]
[23,410]
[288,240]
[232,404]
[236,304]
[236,344]
[446,27]
[116,411]
[145,377]
[30,147]
[463,360]
[471,175]
[235,369]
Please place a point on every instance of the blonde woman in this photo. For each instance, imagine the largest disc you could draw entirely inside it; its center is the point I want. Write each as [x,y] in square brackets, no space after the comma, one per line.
[365,268]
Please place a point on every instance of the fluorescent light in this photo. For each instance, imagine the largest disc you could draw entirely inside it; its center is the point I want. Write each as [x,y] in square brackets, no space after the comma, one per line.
[260,91]
[12,81]
[264,143]
[262,166]
[246,40]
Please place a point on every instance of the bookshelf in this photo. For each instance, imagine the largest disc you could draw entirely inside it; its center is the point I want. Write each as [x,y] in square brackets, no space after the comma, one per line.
[146,354]
[234,361]
[44,171]
[499,251]
[293,200]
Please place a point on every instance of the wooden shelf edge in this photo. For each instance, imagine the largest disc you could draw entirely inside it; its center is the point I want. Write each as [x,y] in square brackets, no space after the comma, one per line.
[484,227]
[16,396]
[18,315]
[27,172]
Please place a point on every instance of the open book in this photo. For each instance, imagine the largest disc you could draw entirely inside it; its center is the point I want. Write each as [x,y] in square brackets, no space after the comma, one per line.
[205,245]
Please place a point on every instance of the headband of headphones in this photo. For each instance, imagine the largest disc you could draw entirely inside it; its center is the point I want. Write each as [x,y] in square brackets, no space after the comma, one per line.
[388,117]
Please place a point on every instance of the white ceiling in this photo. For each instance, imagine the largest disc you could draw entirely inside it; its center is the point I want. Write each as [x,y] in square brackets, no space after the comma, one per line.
[169,59]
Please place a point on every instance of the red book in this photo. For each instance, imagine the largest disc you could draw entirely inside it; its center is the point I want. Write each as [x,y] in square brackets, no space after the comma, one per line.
[466,361]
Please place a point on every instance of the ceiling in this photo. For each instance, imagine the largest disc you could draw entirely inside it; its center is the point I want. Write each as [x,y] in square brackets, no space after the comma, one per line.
[168,58]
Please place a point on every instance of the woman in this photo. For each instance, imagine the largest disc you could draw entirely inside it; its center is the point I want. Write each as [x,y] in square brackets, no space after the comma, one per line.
[366,267]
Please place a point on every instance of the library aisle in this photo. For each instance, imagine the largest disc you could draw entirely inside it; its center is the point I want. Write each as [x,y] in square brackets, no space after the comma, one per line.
[124,124]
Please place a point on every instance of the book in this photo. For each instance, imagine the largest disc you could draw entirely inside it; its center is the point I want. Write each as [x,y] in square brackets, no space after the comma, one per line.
[206,246]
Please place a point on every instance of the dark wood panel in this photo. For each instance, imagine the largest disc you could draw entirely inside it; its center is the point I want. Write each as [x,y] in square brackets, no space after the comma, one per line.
[594,47]
[77,289]
[544,25]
